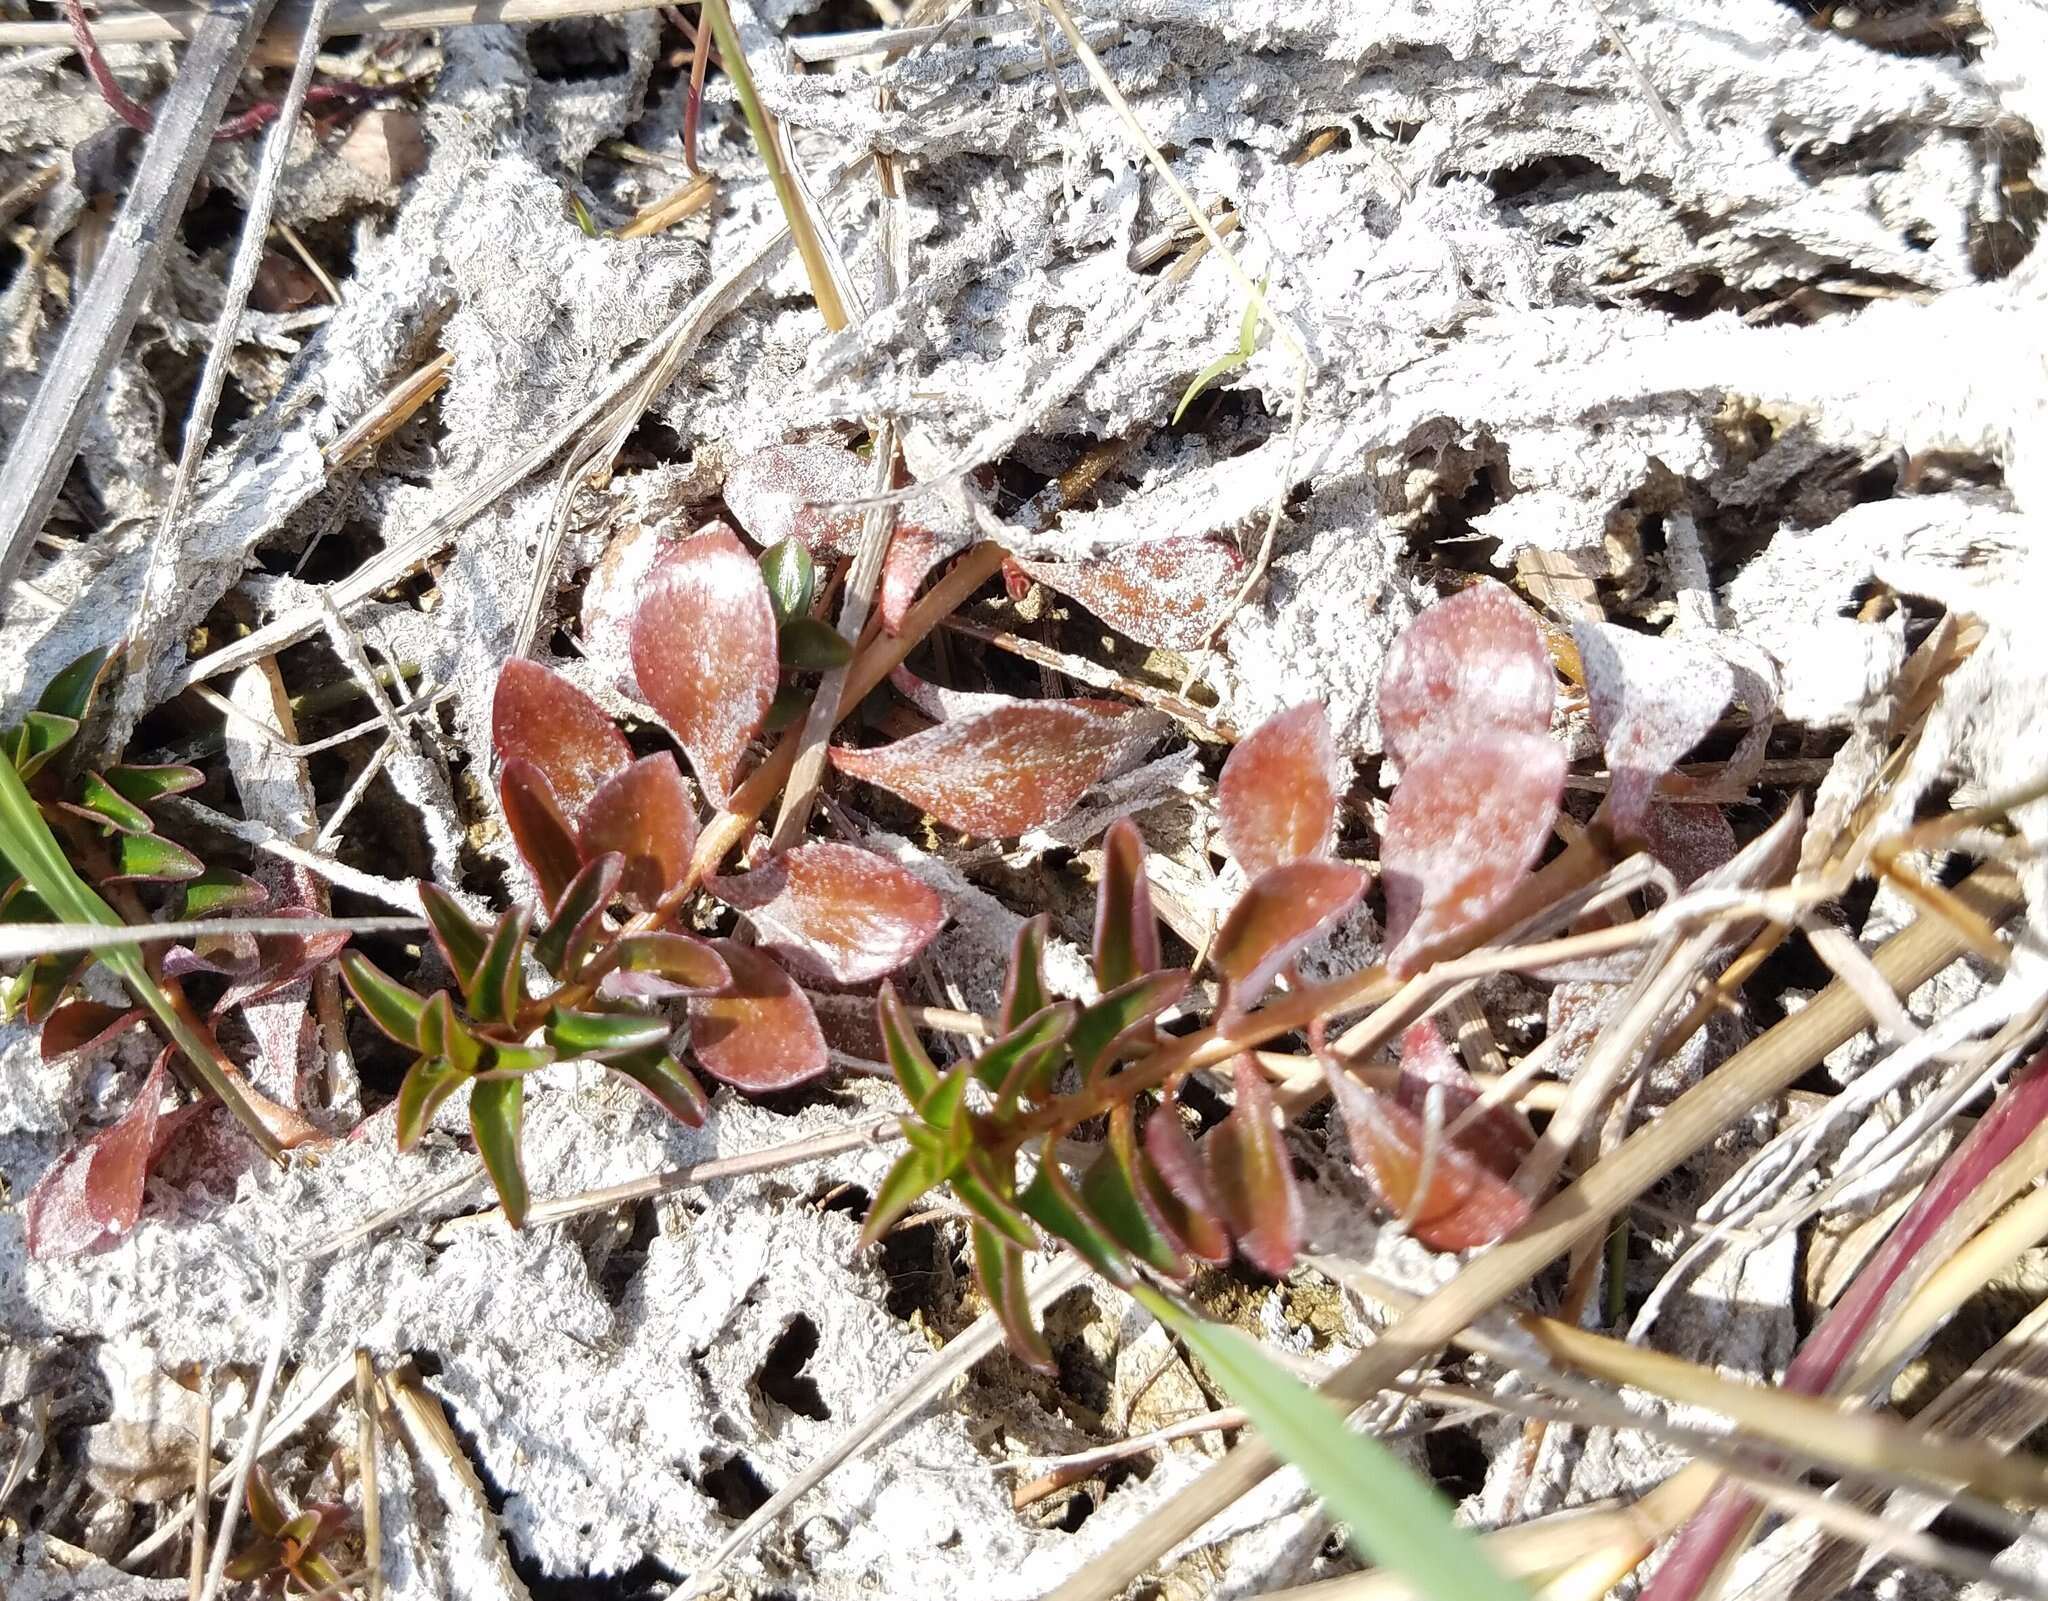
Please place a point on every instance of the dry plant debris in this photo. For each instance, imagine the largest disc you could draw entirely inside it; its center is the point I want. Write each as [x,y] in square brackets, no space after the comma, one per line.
[1449,741]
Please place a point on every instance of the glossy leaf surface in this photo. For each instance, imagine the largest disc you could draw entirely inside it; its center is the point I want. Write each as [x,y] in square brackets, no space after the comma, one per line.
[80,1025]
[669,1084]
[546,842]
[1115,1191]
[704,652]
[648,816]
[1250,1177]
[577,916]
[1277,795]
[1024,992]
[460,936]
[759,1033]
[538,716]
[910,1177]
[1050,1201]
[386,1002]
[1653,699]
[915,1073]
[429,1082]
[836,912]
[1004,771]
[495,990]
[1126,931]
[791,577]
[1466,822]
[152,859]
[1106,1024]
[1022,1062]
[1284,908]
[1474,663]
[603,1036]
[689,964]
[496,1112]
[999,1270]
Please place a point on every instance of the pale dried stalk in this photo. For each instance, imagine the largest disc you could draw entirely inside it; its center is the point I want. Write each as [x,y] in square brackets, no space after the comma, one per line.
[366,1471]
[1763,1069]
[252,1441]
[202,1480]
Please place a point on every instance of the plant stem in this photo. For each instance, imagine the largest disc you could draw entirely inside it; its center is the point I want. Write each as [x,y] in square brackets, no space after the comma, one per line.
[801,230]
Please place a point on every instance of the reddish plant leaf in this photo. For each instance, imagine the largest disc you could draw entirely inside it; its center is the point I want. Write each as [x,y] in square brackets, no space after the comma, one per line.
[836,912]
[538,716]
[704,652]
[1473,663]
[999,1268]
[93,1192]
[1467,821]
[913,552]
[1285,908]
[545,840]
[1004,771]
[941,704]
[80,1025]
[1467,1203]
[767,491]
[1499,1137]
[1692,841]
[1126,932]
[1166,592]
[648,816]
[1251,1178]
[1278,792]
[612,594]
[1653,699]
[761,1033]
[283,960]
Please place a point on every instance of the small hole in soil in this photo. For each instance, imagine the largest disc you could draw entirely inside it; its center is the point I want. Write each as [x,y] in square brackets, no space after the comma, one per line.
[1077,1511]
[576,52]
[736,1487]
[781,1377]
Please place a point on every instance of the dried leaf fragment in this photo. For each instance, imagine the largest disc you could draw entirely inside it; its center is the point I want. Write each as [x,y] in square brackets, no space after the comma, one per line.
[1653,699]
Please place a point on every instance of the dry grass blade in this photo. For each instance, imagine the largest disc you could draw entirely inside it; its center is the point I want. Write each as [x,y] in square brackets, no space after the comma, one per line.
[472,1530]
[1762,1069]
[366,1471]
[252,1443]
[22,940]
[202,1480]
[391,413]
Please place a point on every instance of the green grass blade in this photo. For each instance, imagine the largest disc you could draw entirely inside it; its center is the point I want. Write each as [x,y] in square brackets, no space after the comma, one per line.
[1396,1520]
[26,841]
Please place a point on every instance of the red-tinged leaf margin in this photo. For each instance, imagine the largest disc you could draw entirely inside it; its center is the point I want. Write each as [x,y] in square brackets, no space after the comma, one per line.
[546,842]
[1251,1176]
[837,913]
[759,1034]
[1126,931]
[94,1191]
[1002,772]
[81,1025]
[427,1083]
[999,1269]
[496,1114]
[704,652]
[649,817]
[1276,798]
[1024,992]
[538,716]
[1474,663]
[1466,823]
[1468,1205]
[1282,910]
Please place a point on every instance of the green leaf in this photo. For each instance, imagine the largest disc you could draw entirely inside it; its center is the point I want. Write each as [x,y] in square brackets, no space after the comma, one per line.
[1102,1025]
[1027,1054]
[151,858]
[603,1036]
[26,841]
[1396,1521]
[495,1107]
[461,938]
[46,981]
[907,1058]
[442,1033]
[805,643]
[496,989]
[220,890]
[70,693]
[429,1082]
[498,1059]
[145,785]
[1126,932]
[790,703]
[388,1003]
[1051,1201]
[999,1267]
[792,579]
[1230,360]
[945,1109]
[1112,1189]
[673,1087]
[38,737]
[992,1197]
[691,963]
[99,802]
[565,940]
[1024,986]
[915,1173]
